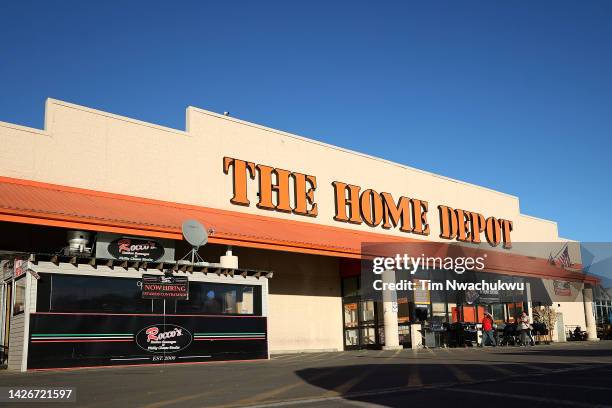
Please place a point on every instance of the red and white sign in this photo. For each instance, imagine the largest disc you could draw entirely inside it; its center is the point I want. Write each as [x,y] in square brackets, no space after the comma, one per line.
[19,267]
[562,288]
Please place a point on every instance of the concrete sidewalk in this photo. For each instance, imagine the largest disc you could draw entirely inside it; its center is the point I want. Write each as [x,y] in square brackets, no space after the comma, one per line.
[576,374]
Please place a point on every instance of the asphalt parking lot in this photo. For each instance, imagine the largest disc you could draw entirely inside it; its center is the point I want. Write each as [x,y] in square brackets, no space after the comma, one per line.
[571,374]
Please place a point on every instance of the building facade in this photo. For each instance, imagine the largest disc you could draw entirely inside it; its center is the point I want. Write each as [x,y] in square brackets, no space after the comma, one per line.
[285,204]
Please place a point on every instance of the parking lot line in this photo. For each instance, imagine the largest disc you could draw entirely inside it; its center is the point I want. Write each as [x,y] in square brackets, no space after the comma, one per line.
[286,357]
[182,399]
[499,369]
[262,396]
[536,368]
[529,398]
[585,387]
[459,374]
[348,385]
[301,356]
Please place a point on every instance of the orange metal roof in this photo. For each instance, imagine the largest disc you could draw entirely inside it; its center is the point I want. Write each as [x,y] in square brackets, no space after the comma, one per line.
[54,205]
[31,202]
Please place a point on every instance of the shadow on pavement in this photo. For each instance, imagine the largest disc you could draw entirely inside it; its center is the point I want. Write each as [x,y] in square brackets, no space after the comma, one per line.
[561,353]
[403,384]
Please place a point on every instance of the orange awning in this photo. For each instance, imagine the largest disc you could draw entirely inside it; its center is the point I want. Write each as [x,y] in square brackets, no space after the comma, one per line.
[38,203]
[30,202]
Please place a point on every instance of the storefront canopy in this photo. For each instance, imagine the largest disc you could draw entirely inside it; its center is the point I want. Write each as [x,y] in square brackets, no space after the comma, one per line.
[29,202]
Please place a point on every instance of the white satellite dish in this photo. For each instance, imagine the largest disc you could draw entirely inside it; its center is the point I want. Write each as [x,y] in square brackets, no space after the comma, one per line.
[194,233]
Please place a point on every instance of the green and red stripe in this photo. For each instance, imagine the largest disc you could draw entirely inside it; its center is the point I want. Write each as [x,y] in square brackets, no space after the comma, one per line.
[229,336]
[81,337]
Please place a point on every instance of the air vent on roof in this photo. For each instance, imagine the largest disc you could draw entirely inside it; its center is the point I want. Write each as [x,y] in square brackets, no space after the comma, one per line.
[77,243]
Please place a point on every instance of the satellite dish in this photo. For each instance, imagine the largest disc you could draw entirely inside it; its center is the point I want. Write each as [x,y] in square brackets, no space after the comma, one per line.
[195,233]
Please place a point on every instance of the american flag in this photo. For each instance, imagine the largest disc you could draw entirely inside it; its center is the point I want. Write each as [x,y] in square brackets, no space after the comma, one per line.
[551,260]
[564,258]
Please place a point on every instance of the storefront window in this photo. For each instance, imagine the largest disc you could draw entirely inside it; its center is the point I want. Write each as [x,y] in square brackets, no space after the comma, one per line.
[218,298]
[603,311]
[367,311]
[499,313]
[403,310]
[20,291]
[438,305]
[514,311]
[350,315]
[73,293]
[368,335]
[246,304]
[351,338]
[438,311]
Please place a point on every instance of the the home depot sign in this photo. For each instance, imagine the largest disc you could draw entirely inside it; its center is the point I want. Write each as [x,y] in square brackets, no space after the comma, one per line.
[356,205]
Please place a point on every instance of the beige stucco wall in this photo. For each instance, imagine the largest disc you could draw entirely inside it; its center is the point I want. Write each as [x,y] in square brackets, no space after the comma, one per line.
[87,148]
[304,301]
[572,306]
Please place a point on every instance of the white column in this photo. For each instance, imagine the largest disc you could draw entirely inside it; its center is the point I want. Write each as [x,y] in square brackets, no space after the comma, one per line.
[589,317]
[416,337]
[560,333]
[529,303]
[26,318]
[390,313]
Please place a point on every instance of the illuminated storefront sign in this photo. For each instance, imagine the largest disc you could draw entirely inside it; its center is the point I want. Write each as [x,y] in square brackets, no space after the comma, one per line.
[357,206]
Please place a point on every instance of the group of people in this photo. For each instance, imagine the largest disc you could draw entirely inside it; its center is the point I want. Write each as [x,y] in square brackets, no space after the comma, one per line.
[524,325]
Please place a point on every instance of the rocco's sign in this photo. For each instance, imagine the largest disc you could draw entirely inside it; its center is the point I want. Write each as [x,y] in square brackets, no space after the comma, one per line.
[135,249]
[163,338]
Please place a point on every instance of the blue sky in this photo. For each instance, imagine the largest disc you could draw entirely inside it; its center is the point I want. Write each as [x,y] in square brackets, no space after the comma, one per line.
[515,96]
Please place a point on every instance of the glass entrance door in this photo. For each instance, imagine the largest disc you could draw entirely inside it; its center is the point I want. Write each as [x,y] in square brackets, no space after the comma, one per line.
[362,324]
[351,325]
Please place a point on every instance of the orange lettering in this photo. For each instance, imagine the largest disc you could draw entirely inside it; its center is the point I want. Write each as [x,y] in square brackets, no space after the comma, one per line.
[448,222]
[506,229]
[303,196]
[267,187]
[463,230]
[371,207]
[240,178]
[478,226]
[342,202]
[419,216]
[493,231]
[396,214]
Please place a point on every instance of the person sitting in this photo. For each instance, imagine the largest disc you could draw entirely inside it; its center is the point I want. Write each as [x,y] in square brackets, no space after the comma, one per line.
[508,334]
[579,334]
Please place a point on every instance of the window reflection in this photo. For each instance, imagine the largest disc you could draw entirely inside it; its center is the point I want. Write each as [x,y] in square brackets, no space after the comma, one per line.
[20,291]
[73,293]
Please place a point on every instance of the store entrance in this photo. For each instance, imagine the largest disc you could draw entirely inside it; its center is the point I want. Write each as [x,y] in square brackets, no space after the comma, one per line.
[363,324]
